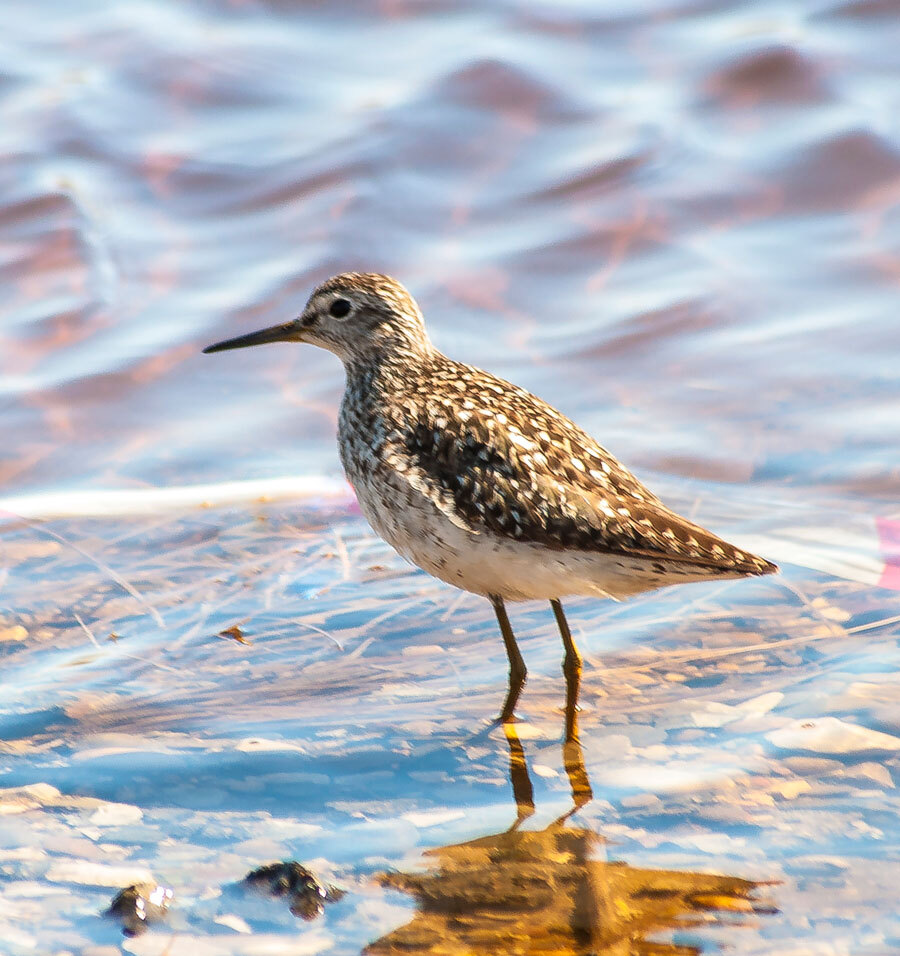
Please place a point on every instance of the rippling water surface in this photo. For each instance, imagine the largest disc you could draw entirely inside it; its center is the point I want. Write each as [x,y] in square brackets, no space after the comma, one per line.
[680,223]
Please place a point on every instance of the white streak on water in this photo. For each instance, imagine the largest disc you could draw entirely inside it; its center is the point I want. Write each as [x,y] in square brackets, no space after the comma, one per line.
[313,490]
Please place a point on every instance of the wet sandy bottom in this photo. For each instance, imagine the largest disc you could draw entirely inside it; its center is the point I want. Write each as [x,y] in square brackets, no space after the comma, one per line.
[725,729]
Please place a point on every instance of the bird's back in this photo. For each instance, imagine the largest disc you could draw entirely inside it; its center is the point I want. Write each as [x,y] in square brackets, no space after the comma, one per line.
[492,462]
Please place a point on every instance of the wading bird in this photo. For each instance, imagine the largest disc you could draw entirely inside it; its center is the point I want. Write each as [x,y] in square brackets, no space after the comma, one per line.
[482,484]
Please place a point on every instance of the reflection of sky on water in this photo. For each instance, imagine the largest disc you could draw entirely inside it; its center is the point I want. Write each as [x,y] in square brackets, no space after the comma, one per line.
[703,201]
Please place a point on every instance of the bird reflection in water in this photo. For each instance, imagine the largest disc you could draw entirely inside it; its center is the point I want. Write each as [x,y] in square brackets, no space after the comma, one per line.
[527,891]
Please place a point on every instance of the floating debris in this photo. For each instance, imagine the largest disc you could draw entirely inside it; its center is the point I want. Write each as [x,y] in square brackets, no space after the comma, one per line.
[235,633]
[290,879]
[139,905]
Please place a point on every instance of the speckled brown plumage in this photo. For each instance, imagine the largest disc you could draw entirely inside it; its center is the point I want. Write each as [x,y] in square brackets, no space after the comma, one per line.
[481,483]
[516,467]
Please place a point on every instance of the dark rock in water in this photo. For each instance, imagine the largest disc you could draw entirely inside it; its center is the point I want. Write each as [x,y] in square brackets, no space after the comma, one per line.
[290,879]
[139,905]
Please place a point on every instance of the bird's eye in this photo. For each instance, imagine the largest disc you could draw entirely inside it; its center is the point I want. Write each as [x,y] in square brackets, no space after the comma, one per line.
[339,308]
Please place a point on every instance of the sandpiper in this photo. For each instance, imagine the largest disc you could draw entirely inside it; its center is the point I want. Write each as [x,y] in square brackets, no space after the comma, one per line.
[482,484]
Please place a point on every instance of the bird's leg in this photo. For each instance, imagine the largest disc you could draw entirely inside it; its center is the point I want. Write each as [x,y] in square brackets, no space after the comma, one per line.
[571,670]
[517,671]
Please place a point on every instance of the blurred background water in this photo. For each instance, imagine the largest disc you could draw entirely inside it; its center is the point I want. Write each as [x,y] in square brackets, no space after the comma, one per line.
[678,222]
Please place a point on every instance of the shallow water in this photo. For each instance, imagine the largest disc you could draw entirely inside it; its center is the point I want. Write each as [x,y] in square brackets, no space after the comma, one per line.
[678,223]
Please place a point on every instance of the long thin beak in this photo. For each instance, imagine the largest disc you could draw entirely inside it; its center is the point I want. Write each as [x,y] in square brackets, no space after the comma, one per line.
[288,332]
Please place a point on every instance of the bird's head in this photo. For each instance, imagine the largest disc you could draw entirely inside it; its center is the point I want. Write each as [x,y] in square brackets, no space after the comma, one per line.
[358,316]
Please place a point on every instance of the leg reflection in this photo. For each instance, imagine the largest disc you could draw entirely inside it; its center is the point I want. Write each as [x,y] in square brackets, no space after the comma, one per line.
[573,756]
[573,761]
[523,791]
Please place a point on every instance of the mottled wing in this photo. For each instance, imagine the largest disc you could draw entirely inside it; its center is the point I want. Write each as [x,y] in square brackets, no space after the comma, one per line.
[515,466]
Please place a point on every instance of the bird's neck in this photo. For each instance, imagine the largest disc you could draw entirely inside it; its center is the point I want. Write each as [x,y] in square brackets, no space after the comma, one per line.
[389,367]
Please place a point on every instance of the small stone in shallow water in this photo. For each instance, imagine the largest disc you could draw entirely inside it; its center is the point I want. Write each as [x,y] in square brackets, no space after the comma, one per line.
[139,905]
[291,879]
